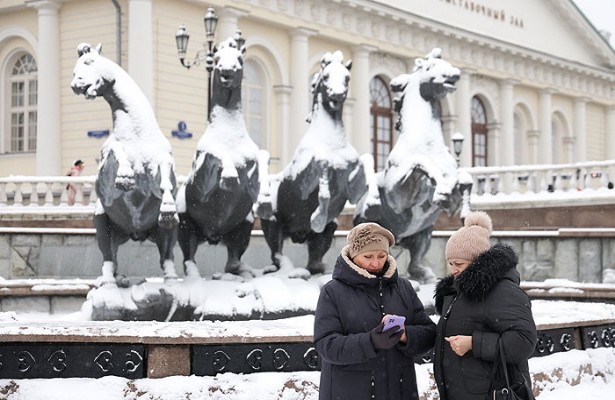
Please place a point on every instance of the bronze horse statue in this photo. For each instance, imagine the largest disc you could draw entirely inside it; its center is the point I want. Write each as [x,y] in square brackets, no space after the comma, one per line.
[215,203]
[136,183]
[309,194]
[420,179]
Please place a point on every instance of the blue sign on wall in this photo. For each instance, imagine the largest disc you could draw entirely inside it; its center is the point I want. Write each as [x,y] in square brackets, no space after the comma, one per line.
[98,133]
[181,132]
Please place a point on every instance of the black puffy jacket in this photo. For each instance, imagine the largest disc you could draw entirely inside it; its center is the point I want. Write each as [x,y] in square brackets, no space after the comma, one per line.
[485,302]
[349,307]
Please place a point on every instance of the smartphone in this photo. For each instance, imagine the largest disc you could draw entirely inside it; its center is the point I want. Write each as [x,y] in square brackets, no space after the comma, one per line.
[393,321]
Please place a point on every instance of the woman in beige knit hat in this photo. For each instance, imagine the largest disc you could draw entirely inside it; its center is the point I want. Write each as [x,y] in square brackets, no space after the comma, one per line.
[481,304]
[360,360]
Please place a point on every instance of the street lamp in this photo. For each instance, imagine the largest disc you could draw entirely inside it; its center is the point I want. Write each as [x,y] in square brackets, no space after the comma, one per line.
[210,20]
[457,145]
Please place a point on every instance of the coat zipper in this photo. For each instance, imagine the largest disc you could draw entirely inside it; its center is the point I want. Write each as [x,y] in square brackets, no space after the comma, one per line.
[381,295]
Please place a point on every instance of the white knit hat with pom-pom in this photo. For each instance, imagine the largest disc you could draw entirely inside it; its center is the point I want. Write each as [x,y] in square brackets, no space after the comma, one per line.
[472,239]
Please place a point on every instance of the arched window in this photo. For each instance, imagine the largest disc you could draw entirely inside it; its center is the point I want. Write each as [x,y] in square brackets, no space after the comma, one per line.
[479,133]
[254,102]
[381,122]
[24,93]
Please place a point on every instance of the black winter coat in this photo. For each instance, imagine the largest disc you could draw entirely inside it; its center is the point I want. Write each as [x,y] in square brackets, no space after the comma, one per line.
[485,302]
[349,307]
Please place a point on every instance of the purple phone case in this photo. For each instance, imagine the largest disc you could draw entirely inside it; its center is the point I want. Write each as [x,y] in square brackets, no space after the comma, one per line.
[392,321]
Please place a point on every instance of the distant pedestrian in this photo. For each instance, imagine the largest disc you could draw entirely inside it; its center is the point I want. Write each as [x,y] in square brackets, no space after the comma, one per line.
[75,170]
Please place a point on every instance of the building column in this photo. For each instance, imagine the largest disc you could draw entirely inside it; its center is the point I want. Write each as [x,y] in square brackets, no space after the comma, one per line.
[533,139]
[495,147]
[464,120]
[276,148]
[580,131]
[361,136]
[544,122]
[228,23]
[610,133]
[506,151]
[49,138]
[299,79]
[569,149]
[140,46]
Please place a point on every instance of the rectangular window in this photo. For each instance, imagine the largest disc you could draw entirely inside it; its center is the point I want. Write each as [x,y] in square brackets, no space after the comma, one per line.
[17,94]
[32,130]
[17,132]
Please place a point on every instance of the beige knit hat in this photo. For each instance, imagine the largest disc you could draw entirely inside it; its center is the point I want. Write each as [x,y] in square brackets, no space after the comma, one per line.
[472,239]
[369,236]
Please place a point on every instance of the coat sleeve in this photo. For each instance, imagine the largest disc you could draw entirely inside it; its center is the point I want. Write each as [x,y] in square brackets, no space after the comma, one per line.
[331,343]
[509,316]
[420,329]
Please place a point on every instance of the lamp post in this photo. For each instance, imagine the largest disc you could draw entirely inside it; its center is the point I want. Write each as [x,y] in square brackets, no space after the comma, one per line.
[457,145]
[210,20]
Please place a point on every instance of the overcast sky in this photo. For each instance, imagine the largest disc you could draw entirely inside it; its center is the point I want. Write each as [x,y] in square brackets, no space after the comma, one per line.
[601,13]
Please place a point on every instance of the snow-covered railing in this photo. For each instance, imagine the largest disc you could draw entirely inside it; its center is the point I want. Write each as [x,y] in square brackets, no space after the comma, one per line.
[49,191]
[554,184]
[46,191]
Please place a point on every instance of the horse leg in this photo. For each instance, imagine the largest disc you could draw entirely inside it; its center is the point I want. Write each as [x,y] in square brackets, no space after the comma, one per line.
[318,245]
[274,236]
[167,219]
[236,243]
[418,245]
[125,176]
[103,239]
[188,243]
[318,219]
[165,239]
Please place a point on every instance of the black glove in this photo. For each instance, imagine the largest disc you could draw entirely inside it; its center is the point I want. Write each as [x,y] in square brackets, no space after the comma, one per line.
[385,340]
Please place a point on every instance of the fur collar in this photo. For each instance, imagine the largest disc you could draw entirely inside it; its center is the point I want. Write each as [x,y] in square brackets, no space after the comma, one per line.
[480,276]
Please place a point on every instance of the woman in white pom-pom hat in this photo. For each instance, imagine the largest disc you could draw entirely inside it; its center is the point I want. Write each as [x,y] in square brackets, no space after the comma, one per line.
[480,304]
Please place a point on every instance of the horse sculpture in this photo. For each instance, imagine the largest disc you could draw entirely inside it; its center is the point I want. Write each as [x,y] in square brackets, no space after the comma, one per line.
[420,178]
[215,204]
[136,175]
[325,173]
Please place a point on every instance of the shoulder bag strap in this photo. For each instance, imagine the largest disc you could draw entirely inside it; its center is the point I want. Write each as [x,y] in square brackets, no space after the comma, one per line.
[504,366]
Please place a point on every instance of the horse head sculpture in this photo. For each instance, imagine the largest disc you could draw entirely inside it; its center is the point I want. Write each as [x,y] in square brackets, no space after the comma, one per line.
[309,194]
[136,176]
[216,201]
[420,179]
[227,75]
[330,85]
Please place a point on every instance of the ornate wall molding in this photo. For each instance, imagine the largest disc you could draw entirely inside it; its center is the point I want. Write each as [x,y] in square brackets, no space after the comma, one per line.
[413,36]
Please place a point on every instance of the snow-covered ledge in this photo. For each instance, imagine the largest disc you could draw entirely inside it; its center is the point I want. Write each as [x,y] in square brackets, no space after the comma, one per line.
[524,186]
[521,186]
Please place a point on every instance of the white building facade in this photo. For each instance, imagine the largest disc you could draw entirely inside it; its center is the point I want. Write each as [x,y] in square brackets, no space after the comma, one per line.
[537,85]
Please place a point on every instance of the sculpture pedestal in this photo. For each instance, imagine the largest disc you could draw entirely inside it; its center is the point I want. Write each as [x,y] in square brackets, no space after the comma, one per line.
[271,296]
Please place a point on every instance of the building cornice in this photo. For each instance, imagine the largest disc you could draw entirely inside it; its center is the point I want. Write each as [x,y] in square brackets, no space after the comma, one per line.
[406,35]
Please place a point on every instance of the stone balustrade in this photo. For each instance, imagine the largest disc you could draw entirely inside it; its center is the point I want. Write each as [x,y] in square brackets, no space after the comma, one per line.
[587,182]
[584,180]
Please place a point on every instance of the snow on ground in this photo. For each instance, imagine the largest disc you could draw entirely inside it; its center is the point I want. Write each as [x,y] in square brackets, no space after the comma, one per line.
[556,376]
[562,376]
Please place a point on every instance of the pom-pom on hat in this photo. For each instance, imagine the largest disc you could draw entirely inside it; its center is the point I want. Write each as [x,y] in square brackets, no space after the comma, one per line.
[472,239]
[369,236]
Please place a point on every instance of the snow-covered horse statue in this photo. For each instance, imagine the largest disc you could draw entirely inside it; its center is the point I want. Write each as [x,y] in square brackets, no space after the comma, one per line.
[325,172]
[136,175]
[420,178]
[215,204]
